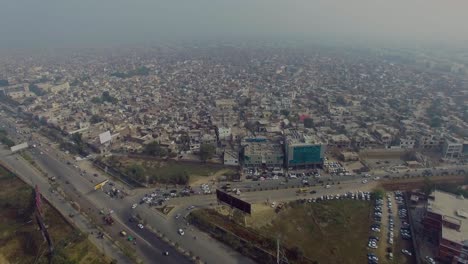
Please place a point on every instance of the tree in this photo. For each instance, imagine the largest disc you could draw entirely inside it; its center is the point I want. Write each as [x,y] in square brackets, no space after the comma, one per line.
[428,186]
[96,100]
[284,112]
[36,90]
[95,119]
[206,151]
[137,172]
[106,97]
[340,100]
[155,149]
[308,123]
[436,121]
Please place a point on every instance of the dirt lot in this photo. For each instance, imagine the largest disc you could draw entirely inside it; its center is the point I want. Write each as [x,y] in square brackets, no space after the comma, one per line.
[20,240]
[327,232]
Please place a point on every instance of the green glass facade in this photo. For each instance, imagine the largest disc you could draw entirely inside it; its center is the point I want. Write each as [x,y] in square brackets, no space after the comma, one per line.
[299,155]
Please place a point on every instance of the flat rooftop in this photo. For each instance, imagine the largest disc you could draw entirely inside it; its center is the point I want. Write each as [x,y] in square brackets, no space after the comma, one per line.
[454,209]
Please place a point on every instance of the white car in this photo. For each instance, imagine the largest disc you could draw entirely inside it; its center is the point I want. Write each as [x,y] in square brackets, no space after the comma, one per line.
[134,206]
[140,226]
[430,260]
[181,232]
[364,181]
[406,252]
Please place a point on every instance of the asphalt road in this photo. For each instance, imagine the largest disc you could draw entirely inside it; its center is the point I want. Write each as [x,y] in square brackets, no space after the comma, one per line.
[149,247]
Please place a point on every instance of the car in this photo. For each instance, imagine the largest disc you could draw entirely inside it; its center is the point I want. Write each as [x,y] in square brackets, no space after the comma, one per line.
[406,252]
[191,207]
[177,216]
[134,206]
[140,226]
[429,260]
[181,232]
[166,253]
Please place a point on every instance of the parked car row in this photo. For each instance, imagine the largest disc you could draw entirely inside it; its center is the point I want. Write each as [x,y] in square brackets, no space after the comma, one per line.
[375,227]
[391,224]
[349,195]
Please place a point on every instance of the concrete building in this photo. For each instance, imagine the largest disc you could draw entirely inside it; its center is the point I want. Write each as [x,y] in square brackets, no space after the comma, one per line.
[339,141]
[223,133]
[259,152]
[407,143]
[447,216]
[452,148]
[303,150]
[231,158]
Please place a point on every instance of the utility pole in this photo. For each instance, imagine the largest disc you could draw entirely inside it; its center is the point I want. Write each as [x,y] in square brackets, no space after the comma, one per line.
[277,250]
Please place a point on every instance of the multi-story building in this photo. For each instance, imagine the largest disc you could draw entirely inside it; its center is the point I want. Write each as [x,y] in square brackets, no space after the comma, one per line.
[303,150]
[259,152]
[452,148]
[231,158]
[447,216]
[407,143]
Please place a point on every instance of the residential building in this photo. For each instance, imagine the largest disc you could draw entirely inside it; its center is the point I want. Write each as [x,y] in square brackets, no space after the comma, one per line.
[231,158]
[452,148]
[446,216]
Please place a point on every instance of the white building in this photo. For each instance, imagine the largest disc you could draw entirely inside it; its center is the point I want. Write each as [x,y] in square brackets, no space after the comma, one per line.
[407,143]
[224,133]
[231,158]
[452,148]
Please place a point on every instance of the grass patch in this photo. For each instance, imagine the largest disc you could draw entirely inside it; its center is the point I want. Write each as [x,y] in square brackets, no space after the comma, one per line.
[166,172]
[327,232]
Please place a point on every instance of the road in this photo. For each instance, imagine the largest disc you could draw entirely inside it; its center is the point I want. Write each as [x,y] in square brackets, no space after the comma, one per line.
[150,247]
[21,169]
[151,250]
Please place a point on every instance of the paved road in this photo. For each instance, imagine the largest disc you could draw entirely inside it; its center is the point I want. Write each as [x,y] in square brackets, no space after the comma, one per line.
[25,172]
[208,249]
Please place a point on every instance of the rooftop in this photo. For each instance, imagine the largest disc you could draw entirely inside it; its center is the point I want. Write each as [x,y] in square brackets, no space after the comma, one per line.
[453,208]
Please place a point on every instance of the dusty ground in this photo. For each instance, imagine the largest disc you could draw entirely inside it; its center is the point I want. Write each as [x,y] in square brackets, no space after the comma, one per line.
[20,240]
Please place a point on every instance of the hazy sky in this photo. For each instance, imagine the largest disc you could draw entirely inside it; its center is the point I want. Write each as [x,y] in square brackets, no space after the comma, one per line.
[35,23]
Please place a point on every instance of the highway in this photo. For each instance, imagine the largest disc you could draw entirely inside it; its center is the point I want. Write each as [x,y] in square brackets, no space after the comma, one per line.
[149,247]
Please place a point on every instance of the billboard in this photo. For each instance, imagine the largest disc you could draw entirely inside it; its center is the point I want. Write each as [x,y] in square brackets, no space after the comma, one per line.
[234,202]
[19,147]
[105,137]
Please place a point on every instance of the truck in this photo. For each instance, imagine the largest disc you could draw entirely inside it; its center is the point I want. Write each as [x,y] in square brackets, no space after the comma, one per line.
[302,190]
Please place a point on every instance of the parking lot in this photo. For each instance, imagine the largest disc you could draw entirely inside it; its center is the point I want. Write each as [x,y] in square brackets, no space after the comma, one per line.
[390,241]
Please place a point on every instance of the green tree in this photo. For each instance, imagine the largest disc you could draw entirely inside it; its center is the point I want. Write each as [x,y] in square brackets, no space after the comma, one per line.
[106,97]
[96,100]
[36,90]
[284,112]
[206,151]
[340,100]
[428,186]
[436,121]
[95,119]
[308,123]
[137,172]
[155,149]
